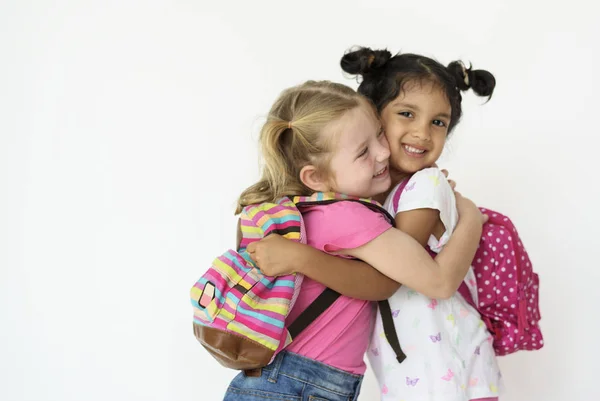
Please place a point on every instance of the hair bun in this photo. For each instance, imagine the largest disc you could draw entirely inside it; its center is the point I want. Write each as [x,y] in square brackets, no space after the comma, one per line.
[481,81]
[364,61]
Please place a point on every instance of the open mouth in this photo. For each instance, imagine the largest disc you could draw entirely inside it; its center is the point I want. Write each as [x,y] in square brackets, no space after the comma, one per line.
[414,151]
[381,172]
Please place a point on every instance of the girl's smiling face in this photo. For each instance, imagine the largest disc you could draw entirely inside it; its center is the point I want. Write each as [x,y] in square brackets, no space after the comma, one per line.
[416,125]
[359,165]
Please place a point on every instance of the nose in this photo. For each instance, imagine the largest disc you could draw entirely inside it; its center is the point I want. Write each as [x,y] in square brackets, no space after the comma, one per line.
[383,150]
[422,131]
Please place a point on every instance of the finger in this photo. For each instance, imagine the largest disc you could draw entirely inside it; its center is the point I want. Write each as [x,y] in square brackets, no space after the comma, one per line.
[484,218]
[445,172]
[251,248]
[452,183]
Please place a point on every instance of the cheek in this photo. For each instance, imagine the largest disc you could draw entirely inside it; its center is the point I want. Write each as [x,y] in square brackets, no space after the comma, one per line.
[440,139]
[394,132]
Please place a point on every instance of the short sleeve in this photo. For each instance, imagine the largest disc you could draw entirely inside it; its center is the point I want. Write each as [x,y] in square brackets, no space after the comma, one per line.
[343,225]
[426,189]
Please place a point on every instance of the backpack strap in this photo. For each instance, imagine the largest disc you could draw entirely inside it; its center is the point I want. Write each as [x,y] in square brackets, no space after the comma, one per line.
[398,193]
[390,330]
[384,306]
[328,296]
[313,311]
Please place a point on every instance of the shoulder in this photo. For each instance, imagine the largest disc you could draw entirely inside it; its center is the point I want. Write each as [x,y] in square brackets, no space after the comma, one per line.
[424,189]
[342,224]
[342,212]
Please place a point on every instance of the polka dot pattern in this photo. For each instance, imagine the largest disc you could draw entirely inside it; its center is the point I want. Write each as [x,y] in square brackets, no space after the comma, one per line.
[508,288]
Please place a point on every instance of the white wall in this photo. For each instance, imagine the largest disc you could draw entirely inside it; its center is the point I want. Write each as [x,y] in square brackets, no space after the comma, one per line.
[127,129]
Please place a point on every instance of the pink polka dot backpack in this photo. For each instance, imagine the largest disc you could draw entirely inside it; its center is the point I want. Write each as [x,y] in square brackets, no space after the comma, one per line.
[507,288]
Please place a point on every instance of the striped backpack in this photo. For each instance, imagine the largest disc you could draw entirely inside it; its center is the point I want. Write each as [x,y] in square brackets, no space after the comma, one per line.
[239,313]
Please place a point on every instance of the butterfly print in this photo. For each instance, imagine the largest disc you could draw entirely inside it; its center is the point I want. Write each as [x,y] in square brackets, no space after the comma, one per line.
[436,338]
[409,187]
[435,180]
[448,376]
[411,382]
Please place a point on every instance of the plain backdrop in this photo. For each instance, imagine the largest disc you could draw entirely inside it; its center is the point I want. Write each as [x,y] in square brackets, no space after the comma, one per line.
[128,128]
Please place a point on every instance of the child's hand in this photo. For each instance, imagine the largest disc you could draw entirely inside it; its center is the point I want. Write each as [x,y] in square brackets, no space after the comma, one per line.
[467,209]
[274,255]
[451,182]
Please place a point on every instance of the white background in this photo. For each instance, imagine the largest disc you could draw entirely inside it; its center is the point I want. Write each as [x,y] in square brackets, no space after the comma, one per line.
[128,128]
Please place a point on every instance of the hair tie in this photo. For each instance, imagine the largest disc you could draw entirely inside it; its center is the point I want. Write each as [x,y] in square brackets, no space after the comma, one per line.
[465,73]
[370,60]
[289,124]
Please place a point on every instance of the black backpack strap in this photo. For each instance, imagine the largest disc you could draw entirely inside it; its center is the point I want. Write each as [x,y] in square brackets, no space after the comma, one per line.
[390,330]
[313,311]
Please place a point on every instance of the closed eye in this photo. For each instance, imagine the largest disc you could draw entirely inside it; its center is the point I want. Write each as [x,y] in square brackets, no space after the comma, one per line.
[362,153]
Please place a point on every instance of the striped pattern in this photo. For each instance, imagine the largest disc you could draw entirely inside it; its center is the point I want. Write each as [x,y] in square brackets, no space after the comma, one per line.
[235,297]
[281,218]
[245,301]
[329,196]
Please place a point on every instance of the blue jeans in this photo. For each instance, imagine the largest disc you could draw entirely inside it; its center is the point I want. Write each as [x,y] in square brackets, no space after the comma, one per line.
[291,377]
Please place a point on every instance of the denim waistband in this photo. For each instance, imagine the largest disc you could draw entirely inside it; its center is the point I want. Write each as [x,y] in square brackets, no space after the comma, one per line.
[313,372]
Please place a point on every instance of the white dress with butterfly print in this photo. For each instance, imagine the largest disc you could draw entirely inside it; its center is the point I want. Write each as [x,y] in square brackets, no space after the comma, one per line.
[448,348]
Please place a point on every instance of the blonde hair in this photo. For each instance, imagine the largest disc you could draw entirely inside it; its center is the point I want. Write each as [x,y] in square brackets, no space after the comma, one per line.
[291,138]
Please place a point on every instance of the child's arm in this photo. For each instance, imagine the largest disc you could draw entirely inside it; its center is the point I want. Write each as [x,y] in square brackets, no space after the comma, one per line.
[419,223]
[351,278]
[399,257]
[393,253]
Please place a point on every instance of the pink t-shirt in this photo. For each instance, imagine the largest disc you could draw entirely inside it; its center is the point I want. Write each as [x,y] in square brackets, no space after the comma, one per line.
[340,336]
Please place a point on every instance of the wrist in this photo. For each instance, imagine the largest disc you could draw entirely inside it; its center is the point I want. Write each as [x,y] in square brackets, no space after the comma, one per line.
[298,258]
[471,222]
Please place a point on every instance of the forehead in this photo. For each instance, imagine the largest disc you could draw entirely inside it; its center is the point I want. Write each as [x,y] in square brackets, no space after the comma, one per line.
[354,127]
[425,94]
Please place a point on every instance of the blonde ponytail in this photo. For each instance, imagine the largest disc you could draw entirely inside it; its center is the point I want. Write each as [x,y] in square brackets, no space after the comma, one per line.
[291,138]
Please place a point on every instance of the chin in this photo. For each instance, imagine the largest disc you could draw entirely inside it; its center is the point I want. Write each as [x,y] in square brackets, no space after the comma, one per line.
[413,167]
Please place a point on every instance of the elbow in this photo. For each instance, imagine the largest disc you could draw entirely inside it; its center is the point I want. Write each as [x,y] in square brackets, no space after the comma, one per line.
[379,292]
[445,293]
[449,289]
[386,292]
[442,290]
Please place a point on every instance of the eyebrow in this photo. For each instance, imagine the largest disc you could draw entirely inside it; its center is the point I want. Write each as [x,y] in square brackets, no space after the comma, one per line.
[362,145]
[414,107]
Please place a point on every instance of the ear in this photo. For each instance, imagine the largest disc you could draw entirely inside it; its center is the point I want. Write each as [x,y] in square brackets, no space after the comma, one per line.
[310,176]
